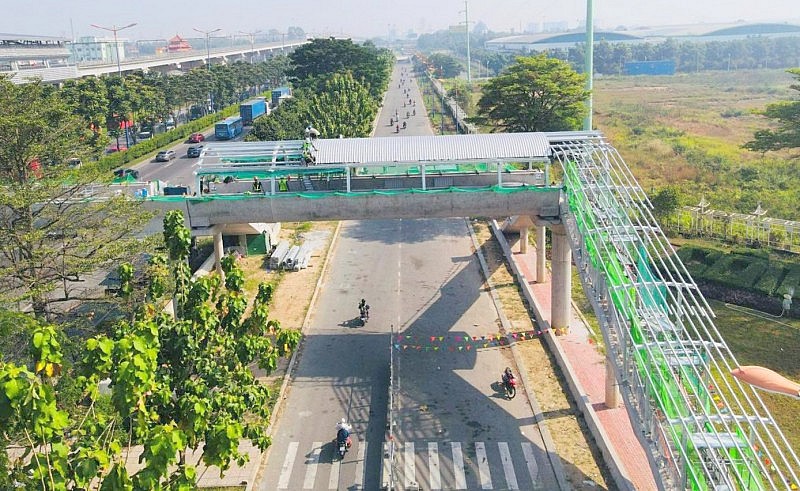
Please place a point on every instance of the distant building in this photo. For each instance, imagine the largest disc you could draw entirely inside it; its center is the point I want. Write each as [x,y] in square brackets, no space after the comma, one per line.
[178,45]
[698,33]
[92,49]
[24,58]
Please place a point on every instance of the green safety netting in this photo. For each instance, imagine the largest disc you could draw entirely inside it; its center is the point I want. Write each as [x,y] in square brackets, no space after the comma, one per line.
[269,173]
[354,194]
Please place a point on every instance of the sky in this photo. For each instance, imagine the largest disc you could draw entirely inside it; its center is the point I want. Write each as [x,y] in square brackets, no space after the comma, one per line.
[160,19]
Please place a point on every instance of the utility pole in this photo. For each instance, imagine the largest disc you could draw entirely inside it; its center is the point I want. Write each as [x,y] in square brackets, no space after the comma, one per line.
[115,30]
[208,34]
[587,122]
[466,30]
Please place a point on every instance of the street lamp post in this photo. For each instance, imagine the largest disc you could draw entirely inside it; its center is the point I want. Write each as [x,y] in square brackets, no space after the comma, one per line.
[208,34]
[115,30]
[252,36]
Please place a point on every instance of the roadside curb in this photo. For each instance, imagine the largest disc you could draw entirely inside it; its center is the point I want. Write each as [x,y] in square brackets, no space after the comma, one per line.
[610,456]
[550,447]
[290,368]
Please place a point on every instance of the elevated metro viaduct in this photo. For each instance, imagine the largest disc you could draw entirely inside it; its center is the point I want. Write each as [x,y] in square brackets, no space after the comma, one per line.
[701,428]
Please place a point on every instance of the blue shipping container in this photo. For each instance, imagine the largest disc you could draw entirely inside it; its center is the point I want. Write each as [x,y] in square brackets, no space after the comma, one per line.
[659,67]
[278,93]
[252,109]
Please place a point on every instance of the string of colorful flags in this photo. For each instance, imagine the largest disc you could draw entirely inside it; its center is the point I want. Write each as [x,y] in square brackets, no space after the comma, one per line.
[404,342]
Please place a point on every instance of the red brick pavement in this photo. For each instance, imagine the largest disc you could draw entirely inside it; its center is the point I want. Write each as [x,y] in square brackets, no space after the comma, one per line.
[588,366]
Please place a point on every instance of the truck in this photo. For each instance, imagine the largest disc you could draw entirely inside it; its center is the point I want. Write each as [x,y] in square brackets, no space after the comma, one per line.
[252,109]
[280,94]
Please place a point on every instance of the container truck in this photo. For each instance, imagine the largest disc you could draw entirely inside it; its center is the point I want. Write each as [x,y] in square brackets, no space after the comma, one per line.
[251,110]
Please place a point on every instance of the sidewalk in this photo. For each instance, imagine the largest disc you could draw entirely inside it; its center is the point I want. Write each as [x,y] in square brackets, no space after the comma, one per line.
[585,370]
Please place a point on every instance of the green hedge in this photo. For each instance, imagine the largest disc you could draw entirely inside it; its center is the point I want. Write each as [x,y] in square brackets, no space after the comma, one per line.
[743,269]
[697,260]
[791,280]
[737,271]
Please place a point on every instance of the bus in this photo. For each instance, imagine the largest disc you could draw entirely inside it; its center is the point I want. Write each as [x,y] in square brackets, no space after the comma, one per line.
[229,128]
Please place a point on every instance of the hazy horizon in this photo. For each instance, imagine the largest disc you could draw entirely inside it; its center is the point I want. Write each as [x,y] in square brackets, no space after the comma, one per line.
[359,18]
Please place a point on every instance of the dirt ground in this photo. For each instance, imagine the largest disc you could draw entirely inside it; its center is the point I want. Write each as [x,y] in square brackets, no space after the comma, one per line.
[295,288]
[583,464]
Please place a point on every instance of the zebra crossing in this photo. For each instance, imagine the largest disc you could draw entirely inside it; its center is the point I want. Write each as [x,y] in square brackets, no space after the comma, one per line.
[429,465]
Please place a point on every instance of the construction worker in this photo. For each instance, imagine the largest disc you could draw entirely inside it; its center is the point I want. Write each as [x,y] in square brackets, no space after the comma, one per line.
[257,185]
[283,185]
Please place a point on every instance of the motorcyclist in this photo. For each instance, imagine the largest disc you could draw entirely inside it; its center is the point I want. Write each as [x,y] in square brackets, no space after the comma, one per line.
[343,431]
[508,376]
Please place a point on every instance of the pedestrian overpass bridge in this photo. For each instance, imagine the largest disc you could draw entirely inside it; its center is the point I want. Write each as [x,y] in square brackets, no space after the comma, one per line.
[701,427]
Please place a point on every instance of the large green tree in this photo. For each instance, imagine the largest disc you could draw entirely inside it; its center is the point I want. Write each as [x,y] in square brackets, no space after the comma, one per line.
[177,383]
[535,94]
[50,235]
[786,116]
[344,108]
[315,62]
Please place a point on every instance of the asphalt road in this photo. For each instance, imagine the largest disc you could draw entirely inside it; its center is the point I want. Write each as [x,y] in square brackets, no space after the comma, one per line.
[453,428]
[178,172]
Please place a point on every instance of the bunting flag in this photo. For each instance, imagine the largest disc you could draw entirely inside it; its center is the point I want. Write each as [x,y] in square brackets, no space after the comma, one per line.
[404,342]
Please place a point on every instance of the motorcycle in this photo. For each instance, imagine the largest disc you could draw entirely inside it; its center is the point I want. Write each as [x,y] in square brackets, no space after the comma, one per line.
[364,315]
[510,387]
[343,442]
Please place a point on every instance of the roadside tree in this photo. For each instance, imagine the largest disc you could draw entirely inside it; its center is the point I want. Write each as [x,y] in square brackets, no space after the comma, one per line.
[177,383]
[786,117]
[535,94]
[50,235]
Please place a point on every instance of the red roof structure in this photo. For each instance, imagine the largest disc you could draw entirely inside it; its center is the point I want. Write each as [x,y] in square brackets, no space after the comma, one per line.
[178,44]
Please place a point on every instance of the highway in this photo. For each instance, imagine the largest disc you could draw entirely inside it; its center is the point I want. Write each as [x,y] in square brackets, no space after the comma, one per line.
[453,428]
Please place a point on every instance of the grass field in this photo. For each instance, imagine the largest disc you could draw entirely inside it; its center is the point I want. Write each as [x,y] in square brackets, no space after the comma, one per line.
[769,342]
[688,130]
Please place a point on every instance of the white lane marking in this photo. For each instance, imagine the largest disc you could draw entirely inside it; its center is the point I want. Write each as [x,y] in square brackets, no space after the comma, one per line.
[336,465]
[288,463]
[530,460]
[433,466]
[410,470]
[312,463]
[360,456]
[458,466]
[508,465]
[483,465]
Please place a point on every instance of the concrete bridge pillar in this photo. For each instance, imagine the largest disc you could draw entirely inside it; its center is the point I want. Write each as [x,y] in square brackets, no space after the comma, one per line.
[541,244]
[219,251]
[612,389]
[243,243]
[561,287]
[523,240]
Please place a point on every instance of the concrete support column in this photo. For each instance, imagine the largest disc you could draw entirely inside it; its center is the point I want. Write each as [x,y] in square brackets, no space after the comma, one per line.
[523,240]
[541,249]
[243,244]
[219,251]
[612,390]
[561,287]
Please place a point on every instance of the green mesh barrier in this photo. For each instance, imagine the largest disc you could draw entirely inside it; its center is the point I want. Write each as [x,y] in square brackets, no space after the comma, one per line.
[355,194]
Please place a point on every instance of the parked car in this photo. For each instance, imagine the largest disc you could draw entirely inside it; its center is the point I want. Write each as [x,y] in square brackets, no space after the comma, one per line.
[165,155]
[194,151]
[196,138]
